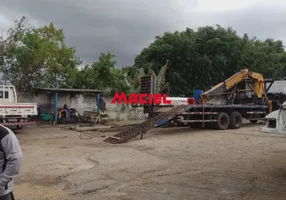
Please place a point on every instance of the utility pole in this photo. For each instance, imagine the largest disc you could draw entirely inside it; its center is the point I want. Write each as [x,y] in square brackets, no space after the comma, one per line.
[56,102]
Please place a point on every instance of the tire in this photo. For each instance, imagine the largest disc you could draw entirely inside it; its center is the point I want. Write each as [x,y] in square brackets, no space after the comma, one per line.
[253,121]
[222,121]
[19,127]
[235,120]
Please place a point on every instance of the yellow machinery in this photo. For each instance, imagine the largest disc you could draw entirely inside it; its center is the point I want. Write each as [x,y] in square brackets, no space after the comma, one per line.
[224,87]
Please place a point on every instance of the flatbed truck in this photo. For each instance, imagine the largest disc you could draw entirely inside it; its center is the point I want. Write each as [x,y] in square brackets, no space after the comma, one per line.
[243,95]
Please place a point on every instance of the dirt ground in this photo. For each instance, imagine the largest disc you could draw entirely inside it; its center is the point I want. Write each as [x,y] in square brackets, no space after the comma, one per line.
[168,164]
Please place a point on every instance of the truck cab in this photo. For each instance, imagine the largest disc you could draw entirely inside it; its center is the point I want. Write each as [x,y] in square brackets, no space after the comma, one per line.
[8,94]
[11,109]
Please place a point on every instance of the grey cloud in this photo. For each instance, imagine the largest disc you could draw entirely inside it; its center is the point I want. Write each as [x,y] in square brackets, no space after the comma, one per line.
[126,26]
[261,20]
[121,26]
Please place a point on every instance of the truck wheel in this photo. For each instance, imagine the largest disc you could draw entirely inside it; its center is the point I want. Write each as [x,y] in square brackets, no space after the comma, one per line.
[235,120]
[253,121]
[222,121]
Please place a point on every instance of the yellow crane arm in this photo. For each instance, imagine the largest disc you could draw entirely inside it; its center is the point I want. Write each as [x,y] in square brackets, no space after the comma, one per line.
[232,81]
[224,86]
[258,84]
[236,78]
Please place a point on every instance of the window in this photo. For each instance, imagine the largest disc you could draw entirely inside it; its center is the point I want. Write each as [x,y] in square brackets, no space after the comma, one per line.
[6,93]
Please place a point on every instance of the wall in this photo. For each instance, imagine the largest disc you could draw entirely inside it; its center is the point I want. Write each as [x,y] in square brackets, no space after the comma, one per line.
[82,103]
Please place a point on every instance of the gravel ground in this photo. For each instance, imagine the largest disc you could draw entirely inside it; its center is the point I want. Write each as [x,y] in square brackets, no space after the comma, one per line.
[168,164]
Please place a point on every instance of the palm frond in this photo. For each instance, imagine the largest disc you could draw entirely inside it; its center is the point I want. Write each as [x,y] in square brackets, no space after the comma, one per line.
[165,86]
[140,73]
[161,78]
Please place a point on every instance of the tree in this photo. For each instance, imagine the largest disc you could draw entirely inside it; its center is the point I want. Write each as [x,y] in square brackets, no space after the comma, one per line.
[199,59]
[134,75]
[103,75]
[14,35]
[40,58]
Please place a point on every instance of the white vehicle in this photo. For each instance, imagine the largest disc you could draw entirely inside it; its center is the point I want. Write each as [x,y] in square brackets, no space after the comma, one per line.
[176,101]
[276,121]
[13,113]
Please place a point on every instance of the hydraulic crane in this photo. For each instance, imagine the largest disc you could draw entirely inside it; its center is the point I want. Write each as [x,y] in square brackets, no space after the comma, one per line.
[227,87]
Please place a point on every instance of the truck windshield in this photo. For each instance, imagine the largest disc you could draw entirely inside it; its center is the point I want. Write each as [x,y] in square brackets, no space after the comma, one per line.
[6,94]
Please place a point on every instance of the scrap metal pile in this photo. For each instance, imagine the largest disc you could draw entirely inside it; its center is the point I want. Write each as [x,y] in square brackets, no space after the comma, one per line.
[142,128]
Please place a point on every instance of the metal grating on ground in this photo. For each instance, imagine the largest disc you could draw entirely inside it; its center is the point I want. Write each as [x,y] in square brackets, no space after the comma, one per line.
[142,128]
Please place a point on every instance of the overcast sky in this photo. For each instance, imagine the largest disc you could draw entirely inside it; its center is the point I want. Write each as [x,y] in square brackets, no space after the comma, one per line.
[127,26]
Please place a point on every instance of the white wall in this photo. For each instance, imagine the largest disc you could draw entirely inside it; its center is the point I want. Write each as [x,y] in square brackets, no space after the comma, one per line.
[81,104]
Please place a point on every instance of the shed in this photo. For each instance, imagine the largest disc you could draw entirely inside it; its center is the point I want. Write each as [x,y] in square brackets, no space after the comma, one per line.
[278,87]
[56,91]
[277,93]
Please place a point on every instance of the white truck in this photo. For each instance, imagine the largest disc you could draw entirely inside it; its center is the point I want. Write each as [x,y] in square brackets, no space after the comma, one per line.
[12,113]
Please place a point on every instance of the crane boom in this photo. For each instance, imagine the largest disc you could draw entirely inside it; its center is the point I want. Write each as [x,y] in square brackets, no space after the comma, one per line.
[258,86]
[232,81]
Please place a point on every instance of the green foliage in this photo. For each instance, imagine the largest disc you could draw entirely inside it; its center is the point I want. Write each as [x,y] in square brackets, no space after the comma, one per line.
[133,78]
[39,57]
[14,35]
[199,59]
[103,75]
[161,79]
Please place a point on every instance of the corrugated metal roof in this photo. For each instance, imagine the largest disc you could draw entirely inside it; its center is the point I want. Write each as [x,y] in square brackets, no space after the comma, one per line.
[277,87]
[68,90]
